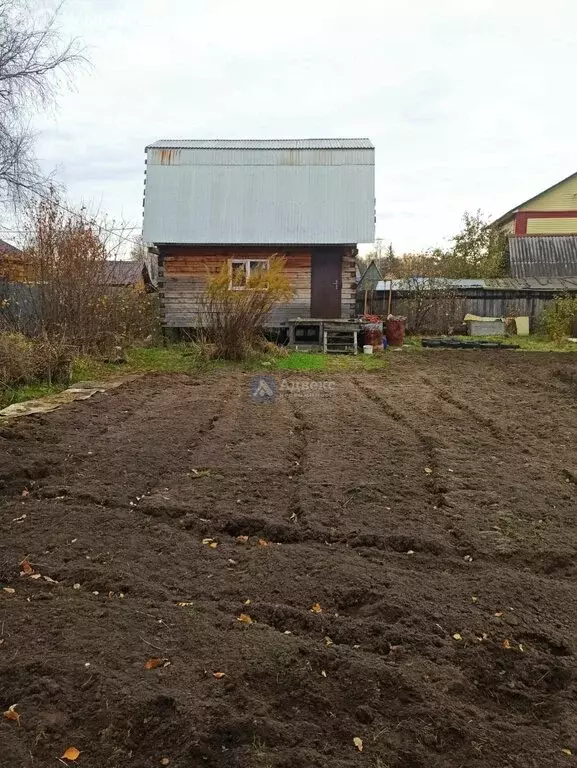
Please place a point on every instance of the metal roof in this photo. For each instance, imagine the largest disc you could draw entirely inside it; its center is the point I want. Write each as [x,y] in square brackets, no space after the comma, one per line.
[261,144]
[287,193]
[543,256]
[555,285]
[123,272]
[8,248]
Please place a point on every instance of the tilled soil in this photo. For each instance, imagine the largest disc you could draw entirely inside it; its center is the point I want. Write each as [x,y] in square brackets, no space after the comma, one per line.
[410,571]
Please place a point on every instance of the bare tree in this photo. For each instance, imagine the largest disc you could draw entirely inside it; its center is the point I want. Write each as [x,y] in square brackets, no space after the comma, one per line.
[34,60]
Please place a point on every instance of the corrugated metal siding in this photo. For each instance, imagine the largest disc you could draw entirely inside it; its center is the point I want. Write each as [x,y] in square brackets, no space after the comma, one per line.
[563,197]
[256,157]
[259,197]
[551,226]
[261,144]
[554,256]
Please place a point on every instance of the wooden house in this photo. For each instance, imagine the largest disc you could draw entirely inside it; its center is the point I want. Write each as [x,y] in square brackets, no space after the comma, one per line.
[12,264]
[551,212]
[209,203]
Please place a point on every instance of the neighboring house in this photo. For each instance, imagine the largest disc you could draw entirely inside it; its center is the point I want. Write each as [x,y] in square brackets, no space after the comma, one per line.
[209,203]
[551,212]
[121,274]
[12,267]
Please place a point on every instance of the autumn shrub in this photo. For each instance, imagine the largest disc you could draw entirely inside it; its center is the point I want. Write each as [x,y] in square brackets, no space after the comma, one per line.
[69,280]
[234,311]
[25,360]
[560,317]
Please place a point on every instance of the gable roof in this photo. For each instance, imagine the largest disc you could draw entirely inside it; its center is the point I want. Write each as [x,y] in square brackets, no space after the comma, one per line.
[509,215]
[543,255]
[370,277]
[8,248]
[261,144]
[123,272]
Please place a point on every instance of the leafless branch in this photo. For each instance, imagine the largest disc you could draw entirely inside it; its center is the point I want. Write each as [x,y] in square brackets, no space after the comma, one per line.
[34,61]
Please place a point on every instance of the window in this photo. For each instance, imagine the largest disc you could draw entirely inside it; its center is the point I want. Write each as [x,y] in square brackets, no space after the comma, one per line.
[243,269]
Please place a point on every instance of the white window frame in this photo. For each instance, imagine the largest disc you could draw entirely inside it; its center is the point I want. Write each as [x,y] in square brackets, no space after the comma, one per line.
[247,262]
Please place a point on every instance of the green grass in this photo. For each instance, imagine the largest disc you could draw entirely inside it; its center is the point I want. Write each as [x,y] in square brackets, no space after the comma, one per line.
[316,361]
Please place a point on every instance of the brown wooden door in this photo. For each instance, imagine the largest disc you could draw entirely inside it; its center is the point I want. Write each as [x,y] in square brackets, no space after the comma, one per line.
[325,283]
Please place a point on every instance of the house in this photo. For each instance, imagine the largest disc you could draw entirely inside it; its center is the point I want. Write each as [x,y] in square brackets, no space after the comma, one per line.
[12,266]
[551,212]
[237,202]
[122,274]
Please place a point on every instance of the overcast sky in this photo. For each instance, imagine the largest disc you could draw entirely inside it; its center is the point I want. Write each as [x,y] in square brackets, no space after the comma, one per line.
[470,103]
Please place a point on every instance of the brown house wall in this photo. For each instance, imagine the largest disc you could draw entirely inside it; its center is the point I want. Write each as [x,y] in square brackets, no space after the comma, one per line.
[183,272]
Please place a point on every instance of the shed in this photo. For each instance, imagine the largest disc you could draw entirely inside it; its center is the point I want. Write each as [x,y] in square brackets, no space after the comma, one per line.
[214,202]
[539,256]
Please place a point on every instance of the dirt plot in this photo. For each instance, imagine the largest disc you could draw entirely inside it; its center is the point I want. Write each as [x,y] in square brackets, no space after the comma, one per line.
[404,543]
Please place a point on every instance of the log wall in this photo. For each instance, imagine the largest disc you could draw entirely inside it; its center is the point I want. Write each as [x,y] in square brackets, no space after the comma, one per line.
[183,272]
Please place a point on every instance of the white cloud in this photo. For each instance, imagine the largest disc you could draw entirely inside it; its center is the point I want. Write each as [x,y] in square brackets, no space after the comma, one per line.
[470,104]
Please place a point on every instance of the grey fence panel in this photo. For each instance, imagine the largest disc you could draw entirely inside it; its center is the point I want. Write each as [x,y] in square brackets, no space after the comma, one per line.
[18,306]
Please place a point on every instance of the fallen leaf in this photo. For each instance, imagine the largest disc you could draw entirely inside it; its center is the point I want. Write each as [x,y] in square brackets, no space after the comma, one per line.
[474,599]
[154,663]
[468,559]
[328,641]
[219,675]
[246,602]
[358,742]
[263,543]
[232,562]
[316,608]
[457,636]
[323,673]
[410,552]
[201,472]
[76,586]
[36,576]
[71,754]
[245,618]
[506,644]
[241,539]
[213,545]
[25,493]
[19,519]
[521,648]
[207,541]
[26,568]
[184,605]
[499,614]
[165,761]
[567,752]
[11,714]
[428,470]
[9,590]
[49,580]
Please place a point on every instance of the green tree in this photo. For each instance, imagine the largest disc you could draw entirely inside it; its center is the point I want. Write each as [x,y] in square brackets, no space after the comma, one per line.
[479,250]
